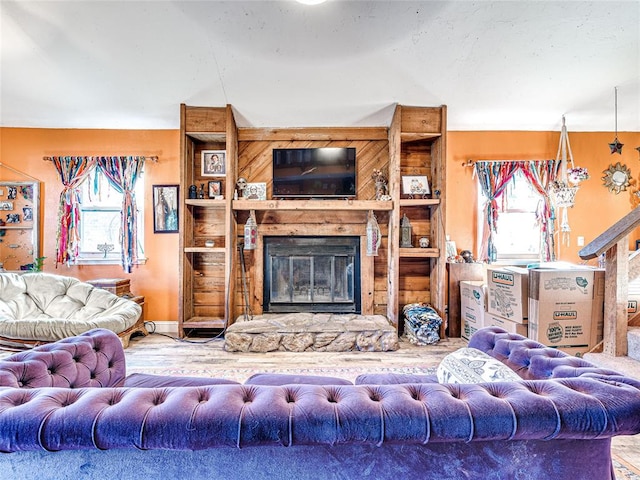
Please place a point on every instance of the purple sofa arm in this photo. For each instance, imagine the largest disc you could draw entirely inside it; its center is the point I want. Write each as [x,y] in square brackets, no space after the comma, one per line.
[92,359]
[532,360]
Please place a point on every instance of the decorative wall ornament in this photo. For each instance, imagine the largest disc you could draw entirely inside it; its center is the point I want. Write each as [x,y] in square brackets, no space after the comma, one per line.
[374,237]
[251,232]
[616,146]
[617,178]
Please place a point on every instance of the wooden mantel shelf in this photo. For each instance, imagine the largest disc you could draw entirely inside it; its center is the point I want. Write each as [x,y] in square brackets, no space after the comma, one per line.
[322,205]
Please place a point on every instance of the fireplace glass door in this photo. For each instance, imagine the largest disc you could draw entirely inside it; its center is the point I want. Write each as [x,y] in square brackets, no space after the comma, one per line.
[304,275]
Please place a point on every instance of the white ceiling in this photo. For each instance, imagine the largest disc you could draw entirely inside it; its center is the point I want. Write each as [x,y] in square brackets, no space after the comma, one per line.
[498,65]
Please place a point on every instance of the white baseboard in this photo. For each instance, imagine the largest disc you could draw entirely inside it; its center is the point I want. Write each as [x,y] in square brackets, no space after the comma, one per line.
[169,327]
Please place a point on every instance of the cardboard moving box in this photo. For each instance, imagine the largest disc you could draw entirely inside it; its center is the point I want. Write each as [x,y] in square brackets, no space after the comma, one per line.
[508,292]
[472,306]
[491,320]
[566,307]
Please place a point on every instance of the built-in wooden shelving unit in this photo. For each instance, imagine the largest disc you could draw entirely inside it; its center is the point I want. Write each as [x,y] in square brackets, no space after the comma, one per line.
[212,289]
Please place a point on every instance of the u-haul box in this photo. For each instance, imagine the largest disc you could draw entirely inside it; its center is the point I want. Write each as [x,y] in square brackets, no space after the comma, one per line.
[472,305]
[569,312]
[508,292]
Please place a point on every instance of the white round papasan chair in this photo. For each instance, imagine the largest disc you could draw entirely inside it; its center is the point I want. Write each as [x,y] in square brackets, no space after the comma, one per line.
[39,307]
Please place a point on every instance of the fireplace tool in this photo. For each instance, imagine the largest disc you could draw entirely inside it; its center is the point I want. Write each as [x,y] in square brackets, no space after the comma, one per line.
[248,314]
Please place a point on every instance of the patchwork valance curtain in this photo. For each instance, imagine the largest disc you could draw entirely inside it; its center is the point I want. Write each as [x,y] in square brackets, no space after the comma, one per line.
[494,177]
[122,174]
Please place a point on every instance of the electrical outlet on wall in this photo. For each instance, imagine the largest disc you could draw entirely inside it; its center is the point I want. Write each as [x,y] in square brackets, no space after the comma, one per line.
[580,241]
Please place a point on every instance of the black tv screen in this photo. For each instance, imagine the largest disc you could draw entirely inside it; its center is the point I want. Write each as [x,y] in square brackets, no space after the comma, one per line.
[314,172]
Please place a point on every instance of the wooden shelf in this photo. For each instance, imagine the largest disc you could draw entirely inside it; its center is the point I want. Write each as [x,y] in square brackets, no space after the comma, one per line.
[418,202]
[406,137]
[205,202]
[417,252]
[203,322]
[205,249]
[208,136]
[321,205]
[15,227]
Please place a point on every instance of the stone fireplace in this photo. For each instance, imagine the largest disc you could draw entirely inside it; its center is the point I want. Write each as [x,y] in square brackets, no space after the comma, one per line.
[319,274]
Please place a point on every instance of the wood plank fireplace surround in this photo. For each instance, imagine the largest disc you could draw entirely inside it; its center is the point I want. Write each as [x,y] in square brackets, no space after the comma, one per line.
[215,284]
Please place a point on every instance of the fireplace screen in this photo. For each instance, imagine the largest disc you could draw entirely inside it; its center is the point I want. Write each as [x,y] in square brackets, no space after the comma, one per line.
[312,274]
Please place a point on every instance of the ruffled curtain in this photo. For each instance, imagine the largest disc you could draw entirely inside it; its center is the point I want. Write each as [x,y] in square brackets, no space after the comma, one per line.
[540,175]
[122,174]
[494,178]
[72,171]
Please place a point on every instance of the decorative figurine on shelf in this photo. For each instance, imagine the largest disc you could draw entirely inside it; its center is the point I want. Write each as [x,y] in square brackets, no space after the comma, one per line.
[201,191]
[405,232]
[424,242]
[380,183]
[193,192]
[241,184]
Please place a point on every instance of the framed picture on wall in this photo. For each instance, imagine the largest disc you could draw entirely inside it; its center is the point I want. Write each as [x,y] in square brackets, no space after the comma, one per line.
[214,163]
[415,186]
[165,208]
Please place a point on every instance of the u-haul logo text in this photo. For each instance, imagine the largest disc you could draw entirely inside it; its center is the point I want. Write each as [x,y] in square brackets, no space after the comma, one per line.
[502,278]
[565,315]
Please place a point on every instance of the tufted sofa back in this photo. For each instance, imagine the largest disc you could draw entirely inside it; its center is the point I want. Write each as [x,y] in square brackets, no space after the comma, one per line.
[532,360]
[92,359]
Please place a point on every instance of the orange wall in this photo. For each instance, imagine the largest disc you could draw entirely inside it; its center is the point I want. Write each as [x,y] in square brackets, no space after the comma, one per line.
[157,280]
[595,210]
[23,149]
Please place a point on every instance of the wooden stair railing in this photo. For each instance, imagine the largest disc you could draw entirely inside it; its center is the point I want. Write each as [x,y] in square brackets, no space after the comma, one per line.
[614,243]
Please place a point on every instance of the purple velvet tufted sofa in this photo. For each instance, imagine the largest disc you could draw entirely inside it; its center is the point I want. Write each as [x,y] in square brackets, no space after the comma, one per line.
[68,410]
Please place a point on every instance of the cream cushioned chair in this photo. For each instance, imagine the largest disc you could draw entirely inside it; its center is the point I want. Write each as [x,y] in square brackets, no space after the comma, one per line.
[41,307]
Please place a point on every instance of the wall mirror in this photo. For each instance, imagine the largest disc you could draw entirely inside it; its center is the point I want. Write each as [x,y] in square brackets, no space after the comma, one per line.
[19,225]
[617,178]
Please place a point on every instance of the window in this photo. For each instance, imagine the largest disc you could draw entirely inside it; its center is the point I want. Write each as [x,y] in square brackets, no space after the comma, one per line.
[100,221]
[518,237]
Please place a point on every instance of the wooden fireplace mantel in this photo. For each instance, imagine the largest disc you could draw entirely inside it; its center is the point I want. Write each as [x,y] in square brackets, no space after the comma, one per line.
[315,205]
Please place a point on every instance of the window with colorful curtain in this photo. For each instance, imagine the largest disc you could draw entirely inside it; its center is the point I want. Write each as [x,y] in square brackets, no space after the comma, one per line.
[121,172]
[493,178]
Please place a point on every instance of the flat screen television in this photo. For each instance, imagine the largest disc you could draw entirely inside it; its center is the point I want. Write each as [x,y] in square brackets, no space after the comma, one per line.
[326,172]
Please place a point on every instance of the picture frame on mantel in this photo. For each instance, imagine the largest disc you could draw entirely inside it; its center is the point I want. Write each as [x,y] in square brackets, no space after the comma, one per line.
[214,163]
[165,208]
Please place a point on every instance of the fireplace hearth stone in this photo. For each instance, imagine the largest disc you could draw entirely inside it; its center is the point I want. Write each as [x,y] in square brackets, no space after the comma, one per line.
[308,332]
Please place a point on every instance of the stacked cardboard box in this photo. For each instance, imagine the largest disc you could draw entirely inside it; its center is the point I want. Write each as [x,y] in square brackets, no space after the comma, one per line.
[508,305]
[566,307]
[472,307]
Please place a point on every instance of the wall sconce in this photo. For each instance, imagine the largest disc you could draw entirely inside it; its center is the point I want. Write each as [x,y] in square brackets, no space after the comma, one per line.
[251,232]
[405,232]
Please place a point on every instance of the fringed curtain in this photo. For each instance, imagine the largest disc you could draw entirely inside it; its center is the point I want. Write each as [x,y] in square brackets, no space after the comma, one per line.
[72,171]
[540,174]
[122,174]
[494,178]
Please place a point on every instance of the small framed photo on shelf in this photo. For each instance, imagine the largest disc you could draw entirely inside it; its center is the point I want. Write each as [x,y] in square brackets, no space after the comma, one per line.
[165,208]
[255,191]
[215,189]
[214,163]
[415,186]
